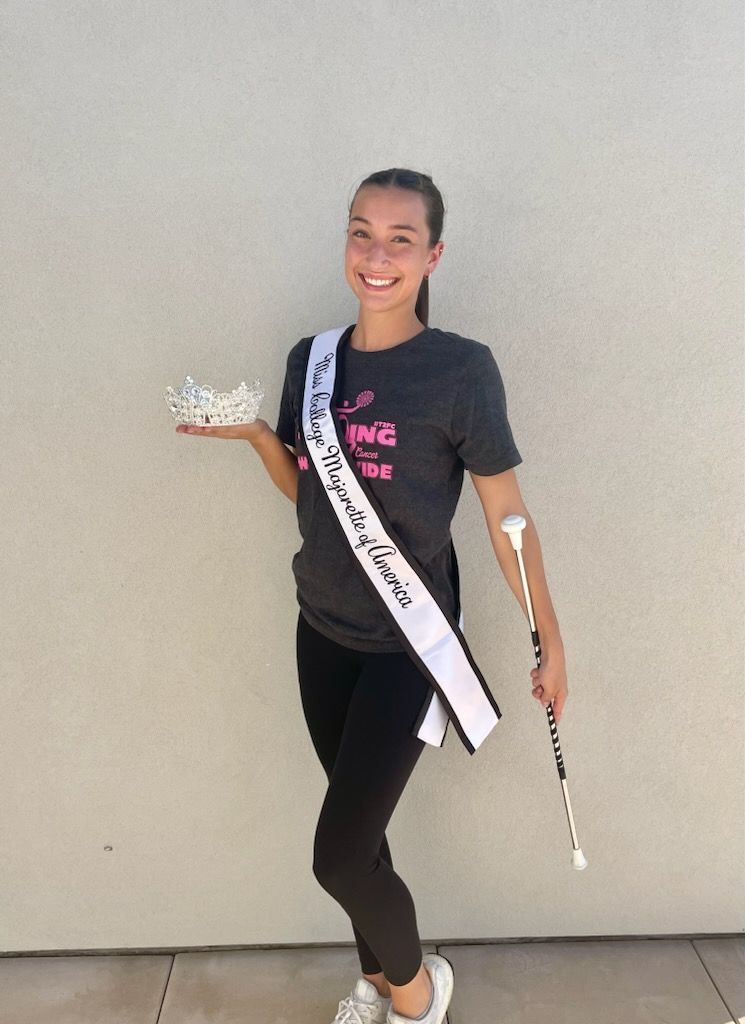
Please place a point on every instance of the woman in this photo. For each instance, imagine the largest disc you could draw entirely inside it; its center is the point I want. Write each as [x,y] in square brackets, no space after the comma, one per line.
[417,405]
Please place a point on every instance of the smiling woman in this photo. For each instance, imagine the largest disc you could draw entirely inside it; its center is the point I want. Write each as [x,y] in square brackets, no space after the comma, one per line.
[377,423]
[393,246]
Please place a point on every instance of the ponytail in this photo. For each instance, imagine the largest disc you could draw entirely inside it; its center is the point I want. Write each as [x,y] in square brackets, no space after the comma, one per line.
[421,310]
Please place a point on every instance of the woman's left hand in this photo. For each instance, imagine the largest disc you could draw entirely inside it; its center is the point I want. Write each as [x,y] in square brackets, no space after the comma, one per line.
[550,683]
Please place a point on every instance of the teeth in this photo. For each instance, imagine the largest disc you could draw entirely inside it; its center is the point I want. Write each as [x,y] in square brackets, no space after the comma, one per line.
[378,281]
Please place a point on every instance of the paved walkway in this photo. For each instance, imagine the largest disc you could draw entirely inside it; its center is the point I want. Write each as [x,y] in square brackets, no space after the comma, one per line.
[635,981]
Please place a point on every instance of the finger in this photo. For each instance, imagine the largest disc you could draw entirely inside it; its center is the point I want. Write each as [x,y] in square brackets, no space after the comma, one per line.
[556,713]
[559,705]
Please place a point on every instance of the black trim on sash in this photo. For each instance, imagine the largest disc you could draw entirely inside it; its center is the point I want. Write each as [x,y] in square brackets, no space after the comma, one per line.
[414,564]
[423,714]
[456,576]
[456,587]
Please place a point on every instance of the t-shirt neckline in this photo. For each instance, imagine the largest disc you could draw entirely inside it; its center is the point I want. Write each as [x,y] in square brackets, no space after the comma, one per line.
[379,351]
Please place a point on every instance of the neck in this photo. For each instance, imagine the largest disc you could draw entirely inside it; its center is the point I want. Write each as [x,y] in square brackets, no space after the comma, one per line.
[375,331]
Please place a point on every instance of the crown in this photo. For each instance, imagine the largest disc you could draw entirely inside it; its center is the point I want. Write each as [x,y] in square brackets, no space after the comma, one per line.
[194,403]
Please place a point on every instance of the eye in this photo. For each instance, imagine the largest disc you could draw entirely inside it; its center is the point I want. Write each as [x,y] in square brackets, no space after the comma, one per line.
[361,231]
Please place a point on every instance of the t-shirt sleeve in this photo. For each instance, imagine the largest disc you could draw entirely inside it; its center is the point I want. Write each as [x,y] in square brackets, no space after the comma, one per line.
[480,429]
[285,428]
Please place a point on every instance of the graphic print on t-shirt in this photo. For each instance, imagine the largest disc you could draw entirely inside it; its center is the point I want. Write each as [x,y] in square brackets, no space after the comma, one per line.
[369,444]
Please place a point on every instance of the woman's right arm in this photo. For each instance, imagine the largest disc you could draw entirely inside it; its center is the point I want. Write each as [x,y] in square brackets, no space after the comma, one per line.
[281,463]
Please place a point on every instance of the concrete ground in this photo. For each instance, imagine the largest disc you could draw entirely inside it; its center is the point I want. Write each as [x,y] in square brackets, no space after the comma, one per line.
[606,981]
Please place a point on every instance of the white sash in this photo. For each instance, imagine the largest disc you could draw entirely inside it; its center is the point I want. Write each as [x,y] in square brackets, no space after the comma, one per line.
[430,634]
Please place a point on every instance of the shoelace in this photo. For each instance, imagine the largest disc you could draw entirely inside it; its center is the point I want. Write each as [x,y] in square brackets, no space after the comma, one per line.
[349,1012]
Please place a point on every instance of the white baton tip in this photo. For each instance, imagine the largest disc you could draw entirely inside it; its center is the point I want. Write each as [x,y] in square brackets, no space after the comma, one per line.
[514,526]
[579,861]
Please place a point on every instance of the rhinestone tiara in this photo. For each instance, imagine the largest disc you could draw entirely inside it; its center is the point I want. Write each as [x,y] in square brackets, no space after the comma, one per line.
[200,404]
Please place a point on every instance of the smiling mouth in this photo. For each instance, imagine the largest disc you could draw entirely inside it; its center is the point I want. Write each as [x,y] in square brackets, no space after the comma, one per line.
[378,287]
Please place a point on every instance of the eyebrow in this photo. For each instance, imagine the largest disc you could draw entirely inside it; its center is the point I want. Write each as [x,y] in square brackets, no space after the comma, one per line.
[403,227]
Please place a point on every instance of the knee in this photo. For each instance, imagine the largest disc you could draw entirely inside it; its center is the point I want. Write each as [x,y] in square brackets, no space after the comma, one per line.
[330,867]
[335,867]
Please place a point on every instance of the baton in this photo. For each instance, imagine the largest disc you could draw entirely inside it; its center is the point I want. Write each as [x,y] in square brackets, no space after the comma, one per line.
[513,525]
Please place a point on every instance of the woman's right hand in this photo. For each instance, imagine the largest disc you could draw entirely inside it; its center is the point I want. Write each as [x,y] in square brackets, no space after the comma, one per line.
[252,432]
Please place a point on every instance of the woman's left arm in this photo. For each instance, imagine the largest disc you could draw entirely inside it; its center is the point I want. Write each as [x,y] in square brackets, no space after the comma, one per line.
[500,496]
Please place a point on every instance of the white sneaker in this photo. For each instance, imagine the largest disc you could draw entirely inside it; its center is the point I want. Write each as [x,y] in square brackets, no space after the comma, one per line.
[365,1005]
[441,972]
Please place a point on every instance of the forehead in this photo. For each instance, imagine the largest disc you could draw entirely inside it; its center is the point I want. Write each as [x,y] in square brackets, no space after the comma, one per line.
[386,206]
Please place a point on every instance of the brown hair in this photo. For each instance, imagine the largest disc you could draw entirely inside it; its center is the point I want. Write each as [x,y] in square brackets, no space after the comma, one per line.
[402,177]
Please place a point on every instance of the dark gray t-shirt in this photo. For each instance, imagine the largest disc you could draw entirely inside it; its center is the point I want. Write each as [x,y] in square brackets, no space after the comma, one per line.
[414,417]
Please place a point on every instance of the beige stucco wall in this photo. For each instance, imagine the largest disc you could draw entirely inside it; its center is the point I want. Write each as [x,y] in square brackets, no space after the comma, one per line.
[175,181]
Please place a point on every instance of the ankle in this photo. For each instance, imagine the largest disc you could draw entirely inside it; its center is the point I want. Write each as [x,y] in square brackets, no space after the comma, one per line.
[380,983]
[414,1000]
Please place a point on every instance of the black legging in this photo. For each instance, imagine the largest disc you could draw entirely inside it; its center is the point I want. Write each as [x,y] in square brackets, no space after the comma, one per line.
[360,709]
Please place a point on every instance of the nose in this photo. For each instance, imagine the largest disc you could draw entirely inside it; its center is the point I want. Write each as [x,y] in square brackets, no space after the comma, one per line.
[378,255]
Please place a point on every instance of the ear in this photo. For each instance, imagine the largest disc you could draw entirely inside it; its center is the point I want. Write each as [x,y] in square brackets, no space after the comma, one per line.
[434,258]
